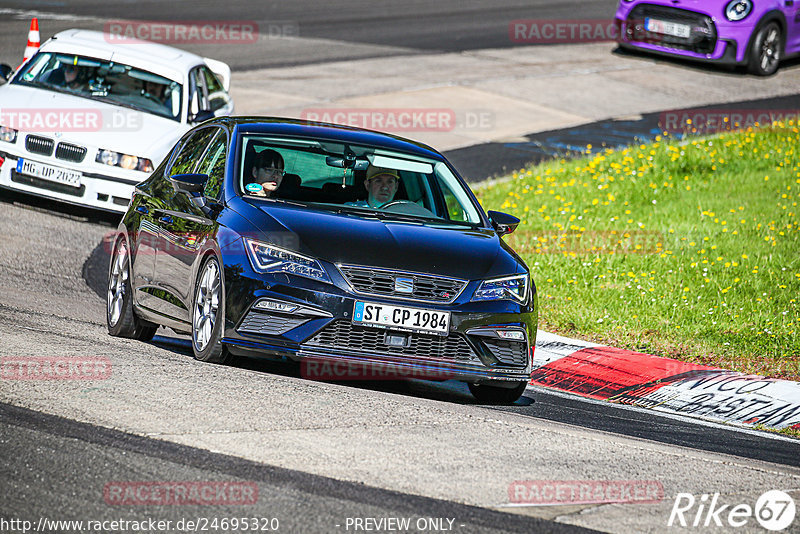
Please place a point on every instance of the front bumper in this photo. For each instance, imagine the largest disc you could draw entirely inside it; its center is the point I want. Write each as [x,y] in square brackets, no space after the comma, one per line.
[320,328]
[710,40]
[99,191]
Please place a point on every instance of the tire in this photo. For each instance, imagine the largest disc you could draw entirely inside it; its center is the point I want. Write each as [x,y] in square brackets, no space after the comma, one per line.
[208,315]
[121,318]
[497,394]
[766,49]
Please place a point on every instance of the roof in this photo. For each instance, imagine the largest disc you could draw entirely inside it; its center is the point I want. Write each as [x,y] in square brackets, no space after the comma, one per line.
[332,132]
[144,54]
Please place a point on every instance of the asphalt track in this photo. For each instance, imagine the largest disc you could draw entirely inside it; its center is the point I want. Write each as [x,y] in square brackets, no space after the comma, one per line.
[63,474]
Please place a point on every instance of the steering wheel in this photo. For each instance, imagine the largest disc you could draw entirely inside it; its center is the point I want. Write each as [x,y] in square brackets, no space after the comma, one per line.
[392,203]
[407,206]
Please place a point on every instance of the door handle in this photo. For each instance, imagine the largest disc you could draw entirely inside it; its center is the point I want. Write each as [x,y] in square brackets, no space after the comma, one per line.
[143,210]
[166,219]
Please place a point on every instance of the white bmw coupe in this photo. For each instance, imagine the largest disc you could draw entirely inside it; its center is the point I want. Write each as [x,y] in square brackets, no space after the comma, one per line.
[88,117]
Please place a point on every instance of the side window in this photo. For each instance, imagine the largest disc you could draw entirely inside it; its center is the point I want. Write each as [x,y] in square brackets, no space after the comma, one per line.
[187,158]
[454,210]
[198,95]
[217,97]
[213,164]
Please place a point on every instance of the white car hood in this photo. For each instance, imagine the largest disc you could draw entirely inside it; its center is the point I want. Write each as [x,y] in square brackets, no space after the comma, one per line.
[87,122]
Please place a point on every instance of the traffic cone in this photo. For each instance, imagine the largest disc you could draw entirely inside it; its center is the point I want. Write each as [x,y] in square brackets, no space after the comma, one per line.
[33,41]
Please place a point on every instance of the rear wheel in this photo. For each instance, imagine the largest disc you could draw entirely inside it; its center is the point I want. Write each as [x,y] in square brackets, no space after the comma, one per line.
[208,315]
[500,394]
[766,49]
[120,316]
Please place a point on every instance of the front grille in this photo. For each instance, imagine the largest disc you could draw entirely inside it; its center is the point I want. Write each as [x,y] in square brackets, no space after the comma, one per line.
[343,335]
[273,325]
[381,282]
[508,352]
[702,37]
[70,152]
[39,145]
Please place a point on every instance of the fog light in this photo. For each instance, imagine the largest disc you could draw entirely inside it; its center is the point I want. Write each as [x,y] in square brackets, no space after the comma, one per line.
[271,305]
[513,335]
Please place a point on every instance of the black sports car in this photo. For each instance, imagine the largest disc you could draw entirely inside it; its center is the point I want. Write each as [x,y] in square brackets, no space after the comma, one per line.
[324,243]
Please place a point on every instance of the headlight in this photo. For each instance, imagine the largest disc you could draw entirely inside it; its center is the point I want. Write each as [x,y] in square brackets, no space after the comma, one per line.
[116,159]
[267,258]
[507,288]
[738,9]
[9,135]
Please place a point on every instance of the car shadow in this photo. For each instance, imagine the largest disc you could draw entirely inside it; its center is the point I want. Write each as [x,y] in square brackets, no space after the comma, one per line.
[60,209]
[700,66]
[451,391]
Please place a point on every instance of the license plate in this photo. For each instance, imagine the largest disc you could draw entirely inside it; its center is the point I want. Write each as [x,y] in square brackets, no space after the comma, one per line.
[401,318]
[48,172]
[667,28]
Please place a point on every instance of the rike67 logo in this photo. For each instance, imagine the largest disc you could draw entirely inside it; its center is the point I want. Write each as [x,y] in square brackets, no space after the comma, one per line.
[774,510]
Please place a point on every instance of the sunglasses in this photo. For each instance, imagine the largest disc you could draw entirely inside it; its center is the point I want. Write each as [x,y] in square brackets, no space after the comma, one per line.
[272,170]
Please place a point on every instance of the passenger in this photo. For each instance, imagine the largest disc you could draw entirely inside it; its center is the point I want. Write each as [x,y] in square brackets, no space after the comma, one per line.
[67,76]
[381,185]
[266,173]
[155,91]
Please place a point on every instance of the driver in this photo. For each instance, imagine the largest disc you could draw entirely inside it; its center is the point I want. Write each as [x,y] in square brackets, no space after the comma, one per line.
[381,185]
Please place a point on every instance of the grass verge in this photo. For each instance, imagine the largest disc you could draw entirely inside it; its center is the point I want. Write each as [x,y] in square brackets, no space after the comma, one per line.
[686,249]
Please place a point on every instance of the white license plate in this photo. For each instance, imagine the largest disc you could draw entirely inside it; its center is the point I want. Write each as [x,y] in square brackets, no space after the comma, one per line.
[401,318]
[667,28]
[48,172]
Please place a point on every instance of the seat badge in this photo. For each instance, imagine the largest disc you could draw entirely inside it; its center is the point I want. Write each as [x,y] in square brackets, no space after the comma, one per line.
[404,285]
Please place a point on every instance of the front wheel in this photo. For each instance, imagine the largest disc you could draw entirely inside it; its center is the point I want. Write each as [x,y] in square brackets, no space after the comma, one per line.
[497,394]
[120,316]
[208,315]
[765,51]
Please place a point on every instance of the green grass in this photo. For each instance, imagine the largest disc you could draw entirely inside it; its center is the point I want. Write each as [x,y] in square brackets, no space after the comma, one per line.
[686,249]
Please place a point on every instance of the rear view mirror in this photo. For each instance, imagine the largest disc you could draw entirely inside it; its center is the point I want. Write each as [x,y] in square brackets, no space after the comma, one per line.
[503,223]
[5,72]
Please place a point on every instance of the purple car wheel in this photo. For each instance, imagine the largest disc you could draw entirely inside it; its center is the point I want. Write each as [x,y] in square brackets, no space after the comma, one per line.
[766,48]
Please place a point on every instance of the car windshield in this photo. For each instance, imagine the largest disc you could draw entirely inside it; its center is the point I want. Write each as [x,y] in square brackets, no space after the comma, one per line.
[360,180]
[107,81]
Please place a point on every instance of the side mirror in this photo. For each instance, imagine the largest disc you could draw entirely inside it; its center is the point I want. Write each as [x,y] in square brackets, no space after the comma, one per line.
[503,223]
[5,72]
[201,116]
[191,184]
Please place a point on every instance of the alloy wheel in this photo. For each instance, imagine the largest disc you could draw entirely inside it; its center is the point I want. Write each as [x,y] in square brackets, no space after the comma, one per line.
[117,283]
[206,306]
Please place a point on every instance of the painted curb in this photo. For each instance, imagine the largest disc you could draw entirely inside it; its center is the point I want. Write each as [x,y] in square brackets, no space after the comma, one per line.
[638,379]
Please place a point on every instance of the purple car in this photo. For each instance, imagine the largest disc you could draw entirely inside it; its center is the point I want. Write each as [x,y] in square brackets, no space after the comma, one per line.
[755,33]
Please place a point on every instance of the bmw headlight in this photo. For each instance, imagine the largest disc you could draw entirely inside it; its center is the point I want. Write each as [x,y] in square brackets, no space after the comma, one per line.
[117,159]
[267,258]
[738,9]
[507,288]
[9,135]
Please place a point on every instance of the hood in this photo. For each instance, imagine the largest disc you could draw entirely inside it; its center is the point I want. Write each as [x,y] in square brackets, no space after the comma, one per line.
[449,250]
[87,122]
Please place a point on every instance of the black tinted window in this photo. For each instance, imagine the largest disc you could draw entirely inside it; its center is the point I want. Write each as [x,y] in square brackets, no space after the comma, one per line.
[192,150]
[213,164]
